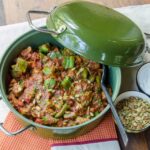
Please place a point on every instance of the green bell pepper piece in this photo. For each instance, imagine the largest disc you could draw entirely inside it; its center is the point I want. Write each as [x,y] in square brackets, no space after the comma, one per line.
[41,55]
[49,83]
[66,83]
[84,73]
[68,62]
[45,48]
[19,68]
[62,111]
[54,55]
[92,78]
[96,113]
[47,70]
[67,52]
[98,80]
[44,118]
[100,102]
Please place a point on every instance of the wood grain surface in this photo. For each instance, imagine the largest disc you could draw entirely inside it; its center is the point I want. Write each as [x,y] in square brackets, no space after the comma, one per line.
[14,11]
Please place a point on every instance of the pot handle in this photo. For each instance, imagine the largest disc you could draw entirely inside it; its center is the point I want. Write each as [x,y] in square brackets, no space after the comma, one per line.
[16,132]
[28,16]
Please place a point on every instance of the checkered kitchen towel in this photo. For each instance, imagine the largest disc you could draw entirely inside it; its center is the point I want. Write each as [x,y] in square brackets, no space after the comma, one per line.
[102,137]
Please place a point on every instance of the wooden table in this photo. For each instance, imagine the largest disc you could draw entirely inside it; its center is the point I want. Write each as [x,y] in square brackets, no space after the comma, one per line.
[16,13]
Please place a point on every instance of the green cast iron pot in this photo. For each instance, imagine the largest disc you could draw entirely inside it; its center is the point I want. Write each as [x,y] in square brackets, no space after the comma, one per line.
[34,39]
[96,32]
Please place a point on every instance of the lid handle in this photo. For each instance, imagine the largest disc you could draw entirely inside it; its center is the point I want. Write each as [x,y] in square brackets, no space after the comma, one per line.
[39,28]
[16,132]
[147,45]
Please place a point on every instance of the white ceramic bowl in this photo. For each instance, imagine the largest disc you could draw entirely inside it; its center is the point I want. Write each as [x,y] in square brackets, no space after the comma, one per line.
[143,78]
[128,94]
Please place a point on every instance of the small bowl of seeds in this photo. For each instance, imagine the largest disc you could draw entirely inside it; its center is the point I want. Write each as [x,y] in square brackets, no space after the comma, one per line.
[133,108]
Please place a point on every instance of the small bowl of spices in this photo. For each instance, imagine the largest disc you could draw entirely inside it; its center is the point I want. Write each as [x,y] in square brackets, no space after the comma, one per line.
[133,108]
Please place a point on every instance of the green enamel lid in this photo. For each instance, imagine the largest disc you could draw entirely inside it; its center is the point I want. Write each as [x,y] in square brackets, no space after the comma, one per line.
[97,33]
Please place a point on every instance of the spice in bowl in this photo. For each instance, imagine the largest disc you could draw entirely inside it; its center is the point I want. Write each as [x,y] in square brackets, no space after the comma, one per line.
[134,113]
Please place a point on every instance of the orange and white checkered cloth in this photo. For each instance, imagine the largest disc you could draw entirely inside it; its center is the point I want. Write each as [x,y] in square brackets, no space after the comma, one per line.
[104,133]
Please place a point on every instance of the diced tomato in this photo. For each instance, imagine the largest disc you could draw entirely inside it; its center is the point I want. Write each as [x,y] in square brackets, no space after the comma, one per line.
[60,123]
[70,102]
[37,120]
[20,103]
[27,100]
[39,64]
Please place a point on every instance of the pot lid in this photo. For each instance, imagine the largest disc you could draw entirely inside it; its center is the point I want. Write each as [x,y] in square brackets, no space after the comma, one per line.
[97,33]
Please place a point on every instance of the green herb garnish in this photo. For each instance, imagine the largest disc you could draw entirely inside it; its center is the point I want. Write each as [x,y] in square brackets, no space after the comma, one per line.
[62,111]
[19,68]
[54,55]
[45,48]
[66,83]
[68,62]
[49,83]
[47,70]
